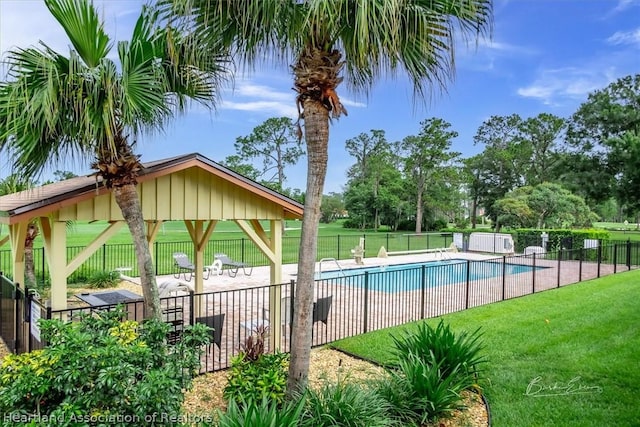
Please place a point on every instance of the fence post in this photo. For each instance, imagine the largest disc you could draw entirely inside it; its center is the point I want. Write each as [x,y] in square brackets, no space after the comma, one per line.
[559,265]
[408,242]
[242,246]
[599,251]
[533,271]
[155,256]
[468,280]
[615,258]
[104,257]
[423,274]
[629,254]
[365,326]
[338,257]
[580,267]
[191,308]
[387,246]
[504,275]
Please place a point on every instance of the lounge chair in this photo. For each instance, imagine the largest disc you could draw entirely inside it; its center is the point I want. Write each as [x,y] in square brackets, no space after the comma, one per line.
[233,266]
[184,265]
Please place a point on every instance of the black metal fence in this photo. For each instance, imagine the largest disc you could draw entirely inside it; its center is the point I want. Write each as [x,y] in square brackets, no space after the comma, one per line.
[352,303]
[112,256]
[20,310]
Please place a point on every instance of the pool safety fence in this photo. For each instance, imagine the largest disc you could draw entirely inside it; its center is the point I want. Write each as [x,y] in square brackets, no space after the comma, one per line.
[111,256]
[345,305]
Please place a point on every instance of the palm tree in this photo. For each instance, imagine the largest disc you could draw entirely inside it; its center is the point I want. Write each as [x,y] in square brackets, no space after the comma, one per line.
[87,105]
[364,38]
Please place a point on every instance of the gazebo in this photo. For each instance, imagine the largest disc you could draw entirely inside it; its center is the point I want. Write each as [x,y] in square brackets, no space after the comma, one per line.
[189,188]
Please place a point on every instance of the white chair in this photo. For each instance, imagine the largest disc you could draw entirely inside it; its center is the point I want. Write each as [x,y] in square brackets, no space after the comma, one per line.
[264,321]
[539,250]
[215,268]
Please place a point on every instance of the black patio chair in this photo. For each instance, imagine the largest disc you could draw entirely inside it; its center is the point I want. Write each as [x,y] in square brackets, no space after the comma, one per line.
[215,322]
[321,309]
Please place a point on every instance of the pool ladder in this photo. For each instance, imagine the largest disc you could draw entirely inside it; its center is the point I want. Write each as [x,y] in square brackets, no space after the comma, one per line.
[319,274]
[444,254]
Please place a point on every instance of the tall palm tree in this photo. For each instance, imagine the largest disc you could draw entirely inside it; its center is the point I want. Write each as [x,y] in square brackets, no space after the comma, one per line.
[320,39]
[90,106]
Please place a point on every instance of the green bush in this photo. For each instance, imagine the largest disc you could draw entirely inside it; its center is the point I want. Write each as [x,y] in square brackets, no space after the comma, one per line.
[114,370]
[441,346]
[433,365]
[103,279]
[419,392]
[253,380]
[262,413]
[346,404]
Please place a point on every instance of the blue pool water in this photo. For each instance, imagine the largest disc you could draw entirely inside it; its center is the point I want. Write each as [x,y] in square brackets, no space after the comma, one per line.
[408,277]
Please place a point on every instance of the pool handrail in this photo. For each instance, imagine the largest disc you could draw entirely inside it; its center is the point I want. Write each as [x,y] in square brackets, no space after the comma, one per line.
[326,260]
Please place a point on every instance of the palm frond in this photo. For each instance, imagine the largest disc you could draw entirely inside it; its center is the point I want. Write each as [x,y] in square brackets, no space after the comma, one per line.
[83,27]
[378,38]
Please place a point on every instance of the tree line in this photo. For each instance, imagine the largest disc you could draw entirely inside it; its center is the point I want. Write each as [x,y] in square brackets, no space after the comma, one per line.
[542,171]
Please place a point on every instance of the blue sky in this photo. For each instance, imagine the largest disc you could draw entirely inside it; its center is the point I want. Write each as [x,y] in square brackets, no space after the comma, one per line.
[544,56]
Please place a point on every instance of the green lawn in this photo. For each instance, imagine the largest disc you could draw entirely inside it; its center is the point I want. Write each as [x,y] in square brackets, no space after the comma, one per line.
[620,231]
[566,357]
[81,233]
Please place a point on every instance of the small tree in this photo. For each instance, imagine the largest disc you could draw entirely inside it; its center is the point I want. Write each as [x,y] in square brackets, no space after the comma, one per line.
[277,143]
[425,156]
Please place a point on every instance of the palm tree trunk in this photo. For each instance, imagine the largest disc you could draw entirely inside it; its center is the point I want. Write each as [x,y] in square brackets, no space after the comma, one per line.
[129,203]
[316,124]
[29,266]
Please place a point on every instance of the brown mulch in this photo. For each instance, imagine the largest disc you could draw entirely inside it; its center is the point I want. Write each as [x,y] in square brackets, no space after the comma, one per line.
[327,365]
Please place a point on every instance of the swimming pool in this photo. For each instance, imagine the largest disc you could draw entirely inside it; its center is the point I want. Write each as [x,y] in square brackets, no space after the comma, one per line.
[409,277]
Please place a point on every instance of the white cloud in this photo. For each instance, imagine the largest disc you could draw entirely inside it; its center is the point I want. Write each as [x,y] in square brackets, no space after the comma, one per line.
[552,87]
[250,96]
[620,7]
[250,89]
[625,37]
[270,108]
[623,5]
[350,103]
[24,23]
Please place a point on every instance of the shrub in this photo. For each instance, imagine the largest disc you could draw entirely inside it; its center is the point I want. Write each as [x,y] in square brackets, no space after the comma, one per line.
[452,353]
[103,367]
[254,376]
[346,404]
[418,392]
[103,279]
[433,367]
[261,413]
